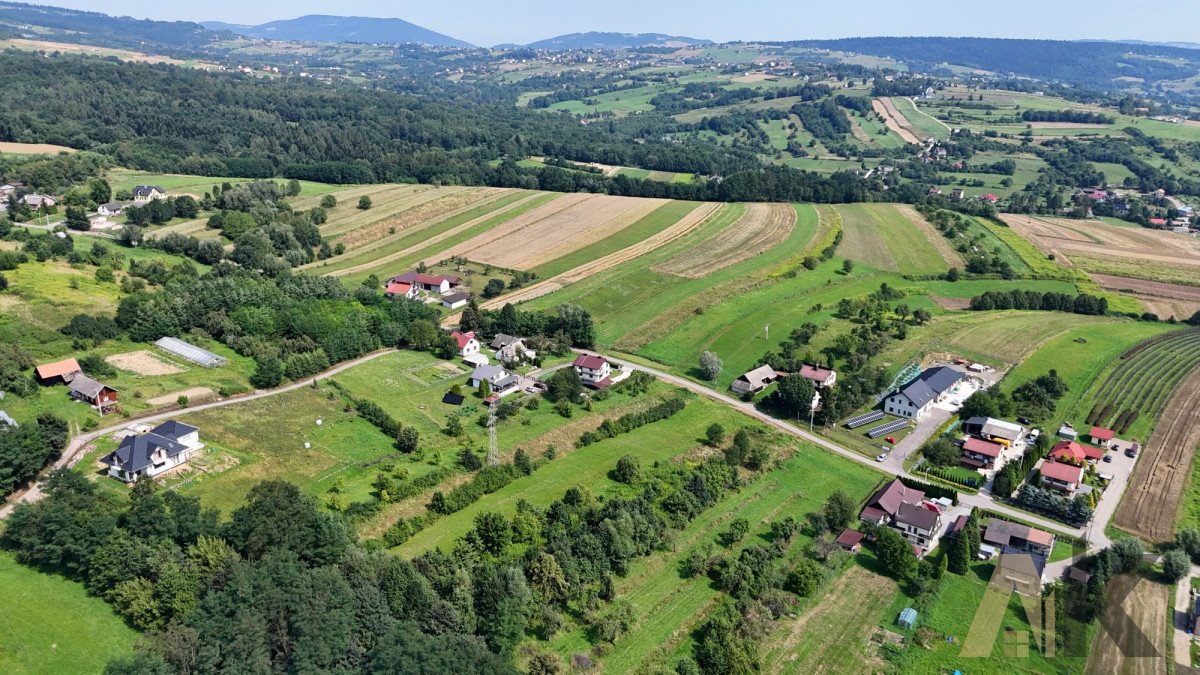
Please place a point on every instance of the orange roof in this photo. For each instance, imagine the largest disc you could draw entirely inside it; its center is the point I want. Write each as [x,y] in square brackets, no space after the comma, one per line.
[1101,433]
[58,368]
[1075,452]
[1068,473]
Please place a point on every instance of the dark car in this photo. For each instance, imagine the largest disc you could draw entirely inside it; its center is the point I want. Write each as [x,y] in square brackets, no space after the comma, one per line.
[1107,458]
[1024,420]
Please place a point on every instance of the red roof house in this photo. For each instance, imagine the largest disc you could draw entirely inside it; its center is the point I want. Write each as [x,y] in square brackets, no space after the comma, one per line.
[980,453]
[1061,476]
[1101,436]
[1161,222]
[851,540]
[397,289]
[990,198]
[886,502]
[820,376]
[1075,453]
[59,371]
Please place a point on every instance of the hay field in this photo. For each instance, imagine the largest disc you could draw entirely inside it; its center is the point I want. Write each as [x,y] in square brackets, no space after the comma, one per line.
[761,228]
[556,229]
[1081,241]
[882,236]
[33,149]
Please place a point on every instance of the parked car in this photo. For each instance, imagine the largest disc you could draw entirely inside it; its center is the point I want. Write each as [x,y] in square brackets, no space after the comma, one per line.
[1024,420]
[1130,452]
[1107,457]
[882,457]
[891,439]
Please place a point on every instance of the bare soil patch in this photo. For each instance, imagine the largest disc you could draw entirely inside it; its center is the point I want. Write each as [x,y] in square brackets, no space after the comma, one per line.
[894,119]
[143,362]
[194,394]
[1143,287]
[33,149]
[952,303]
[1152,500]
[761,228]
[1146,604]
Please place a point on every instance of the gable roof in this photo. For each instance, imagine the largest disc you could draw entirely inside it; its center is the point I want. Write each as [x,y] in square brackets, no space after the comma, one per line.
[889,497]
[147,190]
[399,288]
[1002,429]
[1102,433]
[1019,562]
[815,373]
[501,340]
[488,373]
[87,386]
[929,385]
[760,376]
[590,361]
[456,297]
[173,430]
[463,339]
[135,452]
[1068,473]
[850,538]
[982,447]
[1075,452]
[58,368]
[1001,532]
[917,516]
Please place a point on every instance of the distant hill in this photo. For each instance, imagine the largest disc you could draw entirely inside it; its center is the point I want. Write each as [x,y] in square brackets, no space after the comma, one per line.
[596,40]
[324,28]
[69,25]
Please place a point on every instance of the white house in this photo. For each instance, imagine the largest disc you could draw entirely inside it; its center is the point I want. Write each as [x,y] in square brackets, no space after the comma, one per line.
[147,193]
[919,523]
[149,454]
[916,398]
[455,300]
[511,349]
[593,369]
[499,379]
[467,344]
[111,209]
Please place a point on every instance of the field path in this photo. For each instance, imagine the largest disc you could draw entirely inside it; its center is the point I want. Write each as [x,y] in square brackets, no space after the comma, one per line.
[434,239]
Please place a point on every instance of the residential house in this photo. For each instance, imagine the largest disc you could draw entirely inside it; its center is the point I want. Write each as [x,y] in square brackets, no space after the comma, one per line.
[919,523]
[989,198]
[957,194]
[499,379]
[467,344]
[850,540]
[594,370]
[147,193]
[1061,476]
[456,300]
[754,381]
[149,454]
[1004,533]
[916,398]
[36,201]
[1158,222]
[1004,433]
[980,454]
[512,349]
[884,504]
[1020,572]
[821,377]
[397,289]
[111,209]
[1101,436]
[1075,453]
[433,283]
[935,190]
[59,372]
[97,394]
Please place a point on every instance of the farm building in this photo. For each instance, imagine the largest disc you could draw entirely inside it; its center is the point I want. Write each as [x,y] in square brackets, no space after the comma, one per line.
[916,398]
[1018,571]
[1101,436]
[820,376]
[190,352]
[59,372]
[594,370]
[850,540]
[97,394]
[1005,433]
[145,455]
[1061,476]
[754,381]
[455,300]
[1015,536]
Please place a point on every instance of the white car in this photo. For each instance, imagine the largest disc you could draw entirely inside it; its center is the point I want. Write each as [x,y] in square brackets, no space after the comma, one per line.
[882,457]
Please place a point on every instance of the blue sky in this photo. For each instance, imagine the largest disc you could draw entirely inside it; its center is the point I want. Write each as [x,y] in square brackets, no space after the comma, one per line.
[488,22]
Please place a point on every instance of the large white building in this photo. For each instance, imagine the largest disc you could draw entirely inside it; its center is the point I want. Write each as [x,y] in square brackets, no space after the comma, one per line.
[161,449]
[916,398]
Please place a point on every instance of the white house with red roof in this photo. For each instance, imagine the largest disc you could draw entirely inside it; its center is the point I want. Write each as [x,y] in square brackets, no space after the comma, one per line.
[989,198]
[1075,453]
[820,376]
[980,454]
[1061,476]
[594,370]
[1101,436]
[399,289]
[432,283]
[467,344]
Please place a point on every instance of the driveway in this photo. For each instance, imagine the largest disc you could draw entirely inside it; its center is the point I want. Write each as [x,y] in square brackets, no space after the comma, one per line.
[1182,639]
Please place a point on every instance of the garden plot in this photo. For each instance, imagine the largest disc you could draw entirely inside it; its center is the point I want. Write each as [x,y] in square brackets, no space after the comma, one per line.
[192,394]
[566,224]
[143,362]
[761,228]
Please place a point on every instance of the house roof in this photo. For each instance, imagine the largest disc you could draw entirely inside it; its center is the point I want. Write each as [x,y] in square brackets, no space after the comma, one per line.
[501,340]
[488,373]
[930,384]
[1158,221]
[872,513]
[760,376]
[815,373]
[463,339]
[135,452]
[87,386]
[958,524]
[1001,429]
[1013,561]
[147,189]
[1102,433]
[113,206]
[1075,452]
[917,515]
[58,368]
[982,447]
[1076,574]
[507,381]
[1068,473]
[589,361]
[399,288]
[889,498]
[173,430]
[1001,532]
[850,538]
[455,298]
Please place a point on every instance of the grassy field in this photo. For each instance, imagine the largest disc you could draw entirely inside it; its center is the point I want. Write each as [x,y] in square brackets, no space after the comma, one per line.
[51,625]
[668,605]
[880,236]
[127,179]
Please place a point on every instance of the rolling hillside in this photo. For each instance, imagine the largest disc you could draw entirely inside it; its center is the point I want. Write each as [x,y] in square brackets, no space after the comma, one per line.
[325,28]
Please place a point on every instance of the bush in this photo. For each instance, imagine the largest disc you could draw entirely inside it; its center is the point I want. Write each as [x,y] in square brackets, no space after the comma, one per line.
[364,203]
[1176,565]
[710,366]
[628,469]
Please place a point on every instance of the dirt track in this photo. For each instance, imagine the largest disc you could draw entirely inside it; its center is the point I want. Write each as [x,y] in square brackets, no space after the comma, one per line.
[1152,501]
[757,231]
[894,119]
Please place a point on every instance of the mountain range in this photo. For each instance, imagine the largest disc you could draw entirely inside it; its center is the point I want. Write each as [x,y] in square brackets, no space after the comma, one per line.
[325,28]
[598,40]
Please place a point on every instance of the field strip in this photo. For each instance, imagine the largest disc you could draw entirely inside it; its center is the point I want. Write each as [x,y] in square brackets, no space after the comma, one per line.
[894,119]
[550,210]
[761,228]
[632,215]
[351,193]
[463,202]
[862,240]
[949,255]
[685,225]
[384,204]
[382,216]
[437,238]
[1138,609]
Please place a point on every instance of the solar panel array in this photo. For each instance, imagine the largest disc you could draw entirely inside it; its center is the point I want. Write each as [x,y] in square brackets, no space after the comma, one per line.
[865,418]
[191,352]
[894,425]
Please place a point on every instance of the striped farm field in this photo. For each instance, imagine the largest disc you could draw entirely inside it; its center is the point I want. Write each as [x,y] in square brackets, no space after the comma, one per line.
[410,212]
[761,228]
[882,236]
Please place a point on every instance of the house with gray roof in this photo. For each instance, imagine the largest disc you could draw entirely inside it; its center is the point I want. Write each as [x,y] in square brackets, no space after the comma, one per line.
[145,193]
[754,381]
[149,454]
[499,379]
[97,394]
[916,398]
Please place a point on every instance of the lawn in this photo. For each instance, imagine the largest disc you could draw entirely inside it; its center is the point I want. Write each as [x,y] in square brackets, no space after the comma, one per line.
[1035,259]
[51,625]
[880,236]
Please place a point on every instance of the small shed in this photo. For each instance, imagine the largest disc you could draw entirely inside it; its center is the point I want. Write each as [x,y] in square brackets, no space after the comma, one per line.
[850,540]
[908,618]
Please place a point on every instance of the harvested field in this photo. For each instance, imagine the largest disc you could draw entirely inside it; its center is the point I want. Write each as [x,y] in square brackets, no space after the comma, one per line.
[1161,298]
[1068,125]
[1144,634]
[949,255]
[411,213]
[760,229]
[881,236]
[952,303]
[894,119]
[564,225]
[1107,242]
[143,362]
[194,394]
[685,225]
[33,149]
[833,636]
[1153,499]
